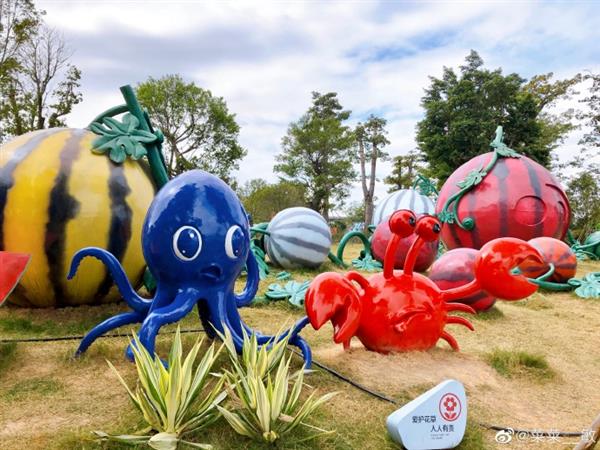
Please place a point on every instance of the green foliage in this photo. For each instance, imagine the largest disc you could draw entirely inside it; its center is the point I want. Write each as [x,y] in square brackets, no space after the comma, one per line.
[520,364]
[405,170]
[33,387]
[491,314]
[583,190]
[263,200]
[19,19]
[317,152]
[355,212]
[174,401]
[199,130]
[8,353]
[371,137]
[583,183]
[38,85]
[463,110]
[262,405]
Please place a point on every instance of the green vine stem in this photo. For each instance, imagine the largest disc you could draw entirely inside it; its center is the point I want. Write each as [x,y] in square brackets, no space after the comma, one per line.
[449,213]
[257,248]
[424,186]
[131,133]
[366,262]
[587,287]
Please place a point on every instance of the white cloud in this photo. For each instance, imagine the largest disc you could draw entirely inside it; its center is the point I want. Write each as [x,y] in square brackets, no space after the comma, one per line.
[266,58]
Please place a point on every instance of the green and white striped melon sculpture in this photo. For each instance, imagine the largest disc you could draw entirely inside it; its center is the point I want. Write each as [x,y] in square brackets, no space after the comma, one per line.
[298,237]
[402,199]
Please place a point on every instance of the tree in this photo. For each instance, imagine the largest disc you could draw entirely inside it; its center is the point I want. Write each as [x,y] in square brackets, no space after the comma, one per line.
[370,139]
[38,85]
[19,19]
[463,110]
[317,152]
[263,200]
[199,130]
[583,186]
[405,170]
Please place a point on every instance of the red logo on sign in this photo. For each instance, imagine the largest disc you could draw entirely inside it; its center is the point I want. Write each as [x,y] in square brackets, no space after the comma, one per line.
[450,407]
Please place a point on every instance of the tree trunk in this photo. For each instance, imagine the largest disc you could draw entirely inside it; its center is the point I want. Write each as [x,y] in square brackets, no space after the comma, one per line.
[369,207]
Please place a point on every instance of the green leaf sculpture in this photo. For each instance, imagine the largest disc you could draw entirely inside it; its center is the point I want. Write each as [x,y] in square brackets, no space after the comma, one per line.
[367,263]
[292,290]
[588,286]
[121,139]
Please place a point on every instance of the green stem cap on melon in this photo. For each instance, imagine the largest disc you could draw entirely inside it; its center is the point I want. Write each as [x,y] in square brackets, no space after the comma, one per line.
[12,268]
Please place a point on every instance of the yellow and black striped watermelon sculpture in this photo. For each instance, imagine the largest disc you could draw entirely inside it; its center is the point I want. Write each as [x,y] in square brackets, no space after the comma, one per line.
[57,197]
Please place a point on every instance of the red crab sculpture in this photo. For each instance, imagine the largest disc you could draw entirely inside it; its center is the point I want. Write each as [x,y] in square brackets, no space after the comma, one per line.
[399,310]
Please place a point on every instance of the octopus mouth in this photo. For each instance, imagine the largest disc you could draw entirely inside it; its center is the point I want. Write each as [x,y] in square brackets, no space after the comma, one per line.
[213,272]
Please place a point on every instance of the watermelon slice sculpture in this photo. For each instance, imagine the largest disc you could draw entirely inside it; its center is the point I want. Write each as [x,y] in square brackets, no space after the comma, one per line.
[12,268]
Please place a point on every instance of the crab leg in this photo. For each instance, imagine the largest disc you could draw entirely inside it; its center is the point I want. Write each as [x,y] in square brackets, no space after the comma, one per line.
[460,321]
[461,291]
[460,307]
[450,340]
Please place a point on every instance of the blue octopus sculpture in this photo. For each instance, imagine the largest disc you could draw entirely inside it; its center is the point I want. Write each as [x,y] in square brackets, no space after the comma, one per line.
[196,241]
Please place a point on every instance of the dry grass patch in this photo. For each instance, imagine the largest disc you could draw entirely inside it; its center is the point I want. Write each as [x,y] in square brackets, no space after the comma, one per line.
[90,397]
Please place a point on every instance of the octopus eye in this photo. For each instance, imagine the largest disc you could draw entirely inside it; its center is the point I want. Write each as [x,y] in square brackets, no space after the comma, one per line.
[187,243]
[234,242]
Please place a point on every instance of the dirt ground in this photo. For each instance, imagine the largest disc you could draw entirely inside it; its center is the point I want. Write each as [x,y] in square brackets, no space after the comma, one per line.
[48,400]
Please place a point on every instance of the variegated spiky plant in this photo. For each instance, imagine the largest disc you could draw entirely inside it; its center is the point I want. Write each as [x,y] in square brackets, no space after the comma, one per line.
[174,400]
[264,396]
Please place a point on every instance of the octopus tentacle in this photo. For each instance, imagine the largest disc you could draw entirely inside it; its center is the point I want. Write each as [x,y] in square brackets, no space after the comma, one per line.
[117,273]
[183,303]
[299,342]
[294,338]
[252,280]
[109,324]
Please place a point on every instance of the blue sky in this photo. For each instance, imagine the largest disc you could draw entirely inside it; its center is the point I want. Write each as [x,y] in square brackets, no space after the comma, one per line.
[265,58]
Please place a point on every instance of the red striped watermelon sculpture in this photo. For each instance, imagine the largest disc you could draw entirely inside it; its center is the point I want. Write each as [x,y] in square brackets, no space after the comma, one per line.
[501,194]
[553,252]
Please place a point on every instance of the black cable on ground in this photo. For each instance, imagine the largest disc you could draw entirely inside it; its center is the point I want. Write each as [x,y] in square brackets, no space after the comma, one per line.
[77,338]
[328,369]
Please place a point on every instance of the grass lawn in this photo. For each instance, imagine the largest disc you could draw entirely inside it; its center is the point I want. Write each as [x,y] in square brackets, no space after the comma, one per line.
[532,364]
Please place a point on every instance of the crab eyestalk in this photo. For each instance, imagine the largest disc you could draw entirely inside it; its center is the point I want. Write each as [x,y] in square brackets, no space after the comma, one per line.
[494,268]
[402,224]
[427,230]
[332,296]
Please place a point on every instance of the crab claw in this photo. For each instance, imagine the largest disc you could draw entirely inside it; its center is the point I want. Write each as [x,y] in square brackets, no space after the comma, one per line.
[331,296]
[494,264]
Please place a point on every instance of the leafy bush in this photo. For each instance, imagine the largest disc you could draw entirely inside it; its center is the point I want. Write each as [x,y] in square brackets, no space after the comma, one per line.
[262,406]
[175,400]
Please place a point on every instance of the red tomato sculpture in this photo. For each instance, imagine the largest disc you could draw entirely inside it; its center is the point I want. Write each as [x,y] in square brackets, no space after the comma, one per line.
[554,252]
[381,238]
[456,268]
[517,198]
[400,310]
